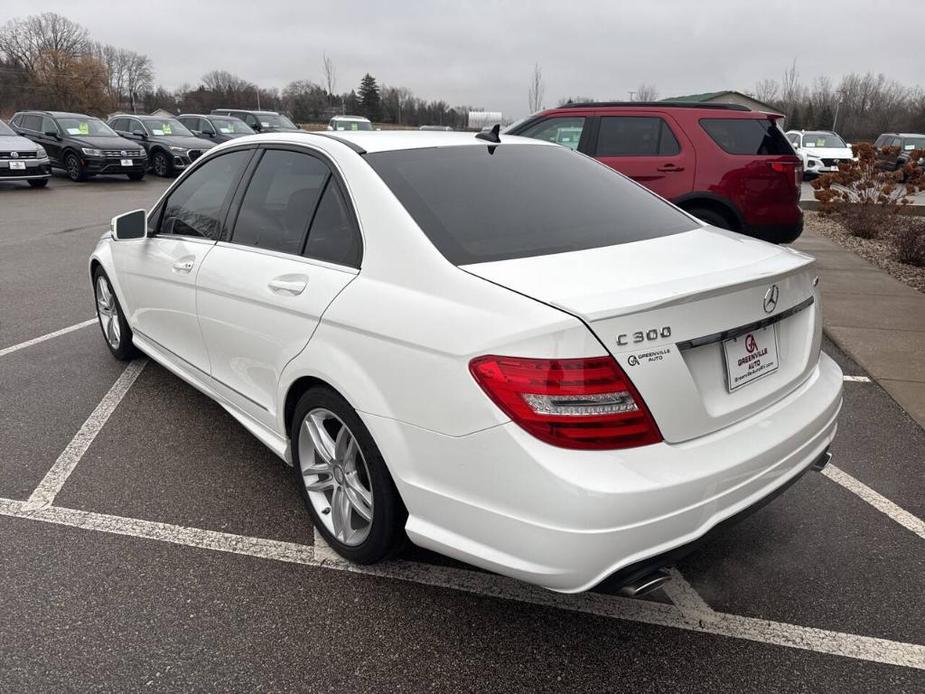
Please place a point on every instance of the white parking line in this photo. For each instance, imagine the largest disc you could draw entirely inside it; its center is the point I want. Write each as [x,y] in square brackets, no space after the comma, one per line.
[856,379]
[875,499]
[688,601]
[763,631]
[55,478]
[37,340]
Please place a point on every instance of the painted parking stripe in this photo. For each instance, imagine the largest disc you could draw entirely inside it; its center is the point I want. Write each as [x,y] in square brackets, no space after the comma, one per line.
[875,499]
[749,628]
[49,336]
[856,379]
[55,478]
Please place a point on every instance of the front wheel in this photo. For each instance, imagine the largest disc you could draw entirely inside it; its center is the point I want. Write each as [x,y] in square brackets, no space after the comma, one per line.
[343,478]
[116,332]
[76,171]
[161,164]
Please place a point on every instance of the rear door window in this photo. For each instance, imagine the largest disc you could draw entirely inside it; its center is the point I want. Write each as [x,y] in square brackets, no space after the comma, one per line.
[521,200]
[280,201]
[750,136]
[33,123]
[565,131]
[635,136]
[334,236]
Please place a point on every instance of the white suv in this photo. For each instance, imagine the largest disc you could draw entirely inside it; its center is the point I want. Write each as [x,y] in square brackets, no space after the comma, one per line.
[820,150]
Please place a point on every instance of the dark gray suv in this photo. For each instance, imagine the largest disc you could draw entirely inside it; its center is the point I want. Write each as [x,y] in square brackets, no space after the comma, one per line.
[170,145]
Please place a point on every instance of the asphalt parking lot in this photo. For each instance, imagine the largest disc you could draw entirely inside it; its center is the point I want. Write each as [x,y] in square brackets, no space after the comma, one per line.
[149,541]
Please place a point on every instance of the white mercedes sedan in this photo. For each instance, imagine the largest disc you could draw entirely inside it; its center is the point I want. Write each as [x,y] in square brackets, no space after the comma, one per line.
[497,348]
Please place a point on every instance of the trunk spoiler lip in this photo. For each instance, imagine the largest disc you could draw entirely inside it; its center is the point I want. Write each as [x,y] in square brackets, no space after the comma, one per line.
[693,294]
[743,329]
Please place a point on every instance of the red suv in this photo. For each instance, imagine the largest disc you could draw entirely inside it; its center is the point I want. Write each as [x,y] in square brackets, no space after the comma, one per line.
[723,163]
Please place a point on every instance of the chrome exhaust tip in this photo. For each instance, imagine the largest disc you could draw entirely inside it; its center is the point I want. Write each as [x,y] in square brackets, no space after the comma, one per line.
[822,460]
[646,584]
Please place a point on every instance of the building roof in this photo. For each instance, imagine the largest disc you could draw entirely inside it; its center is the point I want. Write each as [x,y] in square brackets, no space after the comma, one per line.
[710,96]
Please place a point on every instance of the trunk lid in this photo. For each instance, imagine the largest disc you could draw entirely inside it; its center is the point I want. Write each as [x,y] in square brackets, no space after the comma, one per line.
[664,308]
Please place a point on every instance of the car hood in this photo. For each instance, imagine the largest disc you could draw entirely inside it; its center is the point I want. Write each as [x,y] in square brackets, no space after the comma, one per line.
[829,152]
[15,143]
[103,142]
[187,142]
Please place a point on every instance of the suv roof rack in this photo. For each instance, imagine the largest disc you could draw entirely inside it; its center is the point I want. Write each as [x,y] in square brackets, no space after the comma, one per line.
[657,104]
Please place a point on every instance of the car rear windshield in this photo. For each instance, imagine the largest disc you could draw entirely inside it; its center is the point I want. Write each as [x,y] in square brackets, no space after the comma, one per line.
[479,204]
[753,136]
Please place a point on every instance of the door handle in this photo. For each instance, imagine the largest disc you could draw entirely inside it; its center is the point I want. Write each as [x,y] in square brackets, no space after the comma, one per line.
[183,265]
[291,286]
[669,167]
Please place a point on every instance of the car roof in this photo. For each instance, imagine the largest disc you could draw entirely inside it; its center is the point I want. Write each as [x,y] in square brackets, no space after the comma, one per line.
[218,111]
[207,115]
[360,118]
[59,114]
[655,104]
[373,141]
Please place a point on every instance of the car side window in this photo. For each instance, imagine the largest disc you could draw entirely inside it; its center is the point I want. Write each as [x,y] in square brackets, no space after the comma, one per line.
[48,125]
[280,201]
[250,119]
[118,124]
[195,206]
[334,236]
[135,127]
[33,123]
[635,136]
[204,125]
[565,131]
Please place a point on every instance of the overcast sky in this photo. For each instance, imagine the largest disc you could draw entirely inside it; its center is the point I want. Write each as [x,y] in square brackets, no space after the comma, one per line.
[482,53]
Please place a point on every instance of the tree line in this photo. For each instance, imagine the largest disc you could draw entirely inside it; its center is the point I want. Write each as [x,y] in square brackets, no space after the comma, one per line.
[859,106]
[48,61]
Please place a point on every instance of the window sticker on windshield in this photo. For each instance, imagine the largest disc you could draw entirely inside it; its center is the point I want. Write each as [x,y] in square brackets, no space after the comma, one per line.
[226,130]
[157,131]
[73,131]
[909,147]
[167,130]
[265,124]
[354,126]
[84,128]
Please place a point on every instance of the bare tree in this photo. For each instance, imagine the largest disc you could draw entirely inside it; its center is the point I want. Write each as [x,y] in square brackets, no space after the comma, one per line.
[139,76]
[646,92]
[50,38]
[330,74]
[766,90]
[536,91]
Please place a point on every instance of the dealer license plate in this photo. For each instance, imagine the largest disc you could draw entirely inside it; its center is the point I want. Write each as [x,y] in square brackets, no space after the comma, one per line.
[18,165]
[126,162]
[750,356]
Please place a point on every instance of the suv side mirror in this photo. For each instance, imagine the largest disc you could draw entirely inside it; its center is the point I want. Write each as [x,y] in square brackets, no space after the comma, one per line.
[52,133]
[131,225]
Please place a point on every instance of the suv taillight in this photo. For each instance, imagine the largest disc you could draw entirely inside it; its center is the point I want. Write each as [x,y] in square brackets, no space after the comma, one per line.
[570,403]
[787,167]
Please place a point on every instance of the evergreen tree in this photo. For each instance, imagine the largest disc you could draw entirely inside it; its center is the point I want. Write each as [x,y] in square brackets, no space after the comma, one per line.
[370,101]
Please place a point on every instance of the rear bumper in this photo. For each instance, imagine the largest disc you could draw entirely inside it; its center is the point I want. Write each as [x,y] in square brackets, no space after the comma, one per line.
[566,520]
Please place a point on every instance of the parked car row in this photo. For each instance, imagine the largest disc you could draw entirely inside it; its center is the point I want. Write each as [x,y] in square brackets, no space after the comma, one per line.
[821,150]
[82,146]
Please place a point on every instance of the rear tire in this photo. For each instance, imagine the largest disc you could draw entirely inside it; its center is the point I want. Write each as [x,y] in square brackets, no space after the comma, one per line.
[116,331]
[713,217]
[41,183]
[76,171]
[343,479]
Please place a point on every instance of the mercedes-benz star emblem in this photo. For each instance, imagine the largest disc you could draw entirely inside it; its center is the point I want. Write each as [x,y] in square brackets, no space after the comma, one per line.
[770,299]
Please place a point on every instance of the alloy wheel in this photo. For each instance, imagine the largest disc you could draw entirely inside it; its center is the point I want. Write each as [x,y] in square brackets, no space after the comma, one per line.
[108,311]
[160,164]
[73,168]
[336,476]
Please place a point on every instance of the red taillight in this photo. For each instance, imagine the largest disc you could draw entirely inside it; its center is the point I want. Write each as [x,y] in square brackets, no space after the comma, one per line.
[571,403]
[786,168]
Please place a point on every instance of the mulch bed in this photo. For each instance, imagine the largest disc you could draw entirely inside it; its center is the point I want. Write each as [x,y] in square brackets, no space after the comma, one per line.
[879,251]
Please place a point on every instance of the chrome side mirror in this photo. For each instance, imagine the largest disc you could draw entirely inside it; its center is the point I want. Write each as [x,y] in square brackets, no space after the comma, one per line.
[131,225]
